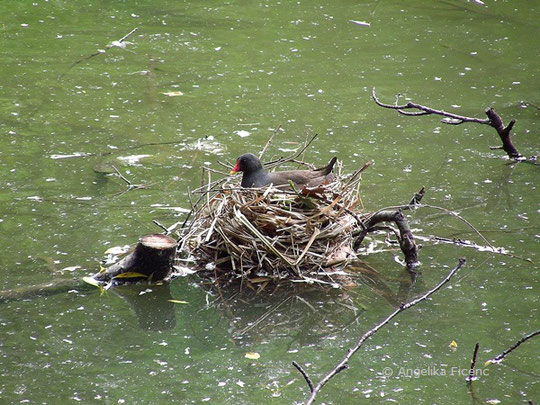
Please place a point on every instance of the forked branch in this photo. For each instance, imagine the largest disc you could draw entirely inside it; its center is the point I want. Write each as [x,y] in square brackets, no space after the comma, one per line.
[406,239]
[493,120]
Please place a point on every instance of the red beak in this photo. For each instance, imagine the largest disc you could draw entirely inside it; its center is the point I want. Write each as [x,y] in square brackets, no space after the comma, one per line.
[236,168]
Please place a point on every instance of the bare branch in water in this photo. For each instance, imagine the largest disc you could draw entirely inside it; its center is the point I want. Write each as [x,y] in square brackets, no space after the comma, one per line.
[343,364]
[470,377]
[114,44]
[501,356]
[493,120]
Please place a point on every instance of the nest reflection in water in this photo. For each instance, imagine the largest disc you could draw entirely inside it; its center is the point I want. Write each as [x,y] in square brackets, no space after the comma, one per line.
[304,314]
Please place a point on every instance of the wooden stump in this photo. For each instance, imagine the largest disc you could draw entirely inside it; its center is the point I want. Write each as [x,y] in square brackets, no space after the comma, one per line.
[151,260]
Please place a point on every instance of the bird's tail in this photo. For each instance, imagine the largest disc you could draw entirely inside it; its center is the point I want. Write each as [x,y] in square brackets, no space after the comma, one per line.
[328,168]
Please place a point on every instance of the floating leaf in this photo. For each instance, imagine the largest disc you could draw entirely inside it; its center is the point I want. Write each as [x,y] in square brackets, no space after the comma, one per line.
[362,23]
[130,274]
[453,344]
[178,302]
[252,355]
[91,281]
[242,134]
[173,93]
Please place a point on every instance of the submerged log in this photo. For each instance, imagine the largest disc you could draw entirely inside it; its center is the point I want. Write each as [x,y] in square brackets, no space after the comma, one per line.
[54,286]
[152,260]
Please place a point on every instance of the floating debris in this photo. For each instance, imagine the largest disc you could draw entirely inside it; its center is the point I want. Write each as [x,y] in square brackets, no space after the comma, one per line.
[361,23]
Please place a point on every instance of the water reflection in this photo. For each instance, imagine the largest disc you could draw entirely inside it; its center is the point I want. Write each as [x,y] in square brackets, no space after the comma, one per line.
[151,305]
[305,313]
[501,198]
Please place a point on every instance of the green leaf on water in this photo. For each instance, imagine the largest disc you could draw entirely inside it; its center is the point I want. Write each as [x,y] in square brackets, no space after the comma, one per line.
[178,302]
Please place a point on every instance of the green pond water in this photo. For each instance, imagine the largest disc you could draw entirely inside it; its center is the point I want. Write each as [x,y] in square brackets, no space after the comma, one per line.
[244,68]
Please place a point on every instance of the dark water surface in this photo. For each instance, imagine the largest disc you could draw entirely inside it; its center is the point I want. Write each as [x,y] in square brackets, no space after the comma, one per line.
[243,69]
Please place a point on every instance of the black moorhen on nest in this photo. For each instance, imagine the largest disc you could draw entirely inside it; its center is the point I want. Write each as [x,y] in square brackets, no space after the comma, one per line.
[255,176]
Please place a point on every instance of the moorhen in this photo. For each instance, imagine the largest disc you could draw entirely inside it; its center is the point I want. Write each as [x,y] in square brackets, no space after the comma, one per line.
[255,176]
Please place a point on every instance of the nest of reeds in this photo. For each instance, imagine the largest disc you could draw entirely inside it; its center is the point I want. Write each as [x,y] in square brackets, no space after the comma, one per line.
[271,234]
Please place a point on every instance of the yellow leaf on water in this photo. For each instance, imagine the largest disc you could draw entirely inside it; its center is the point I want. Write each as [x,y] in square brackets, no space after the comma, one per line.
[130,274]
[252,355]
[91,281]
[453,344]
[178,302]
[173,93]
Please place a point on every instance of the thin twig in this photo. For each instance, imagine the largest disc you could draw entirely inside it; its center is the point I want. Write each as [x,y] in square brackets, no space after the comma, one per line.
[470,244]
[463,220]
[470,377]
[304,374]
[426,111]
[292,156]
[117,44]
[343,364]
[501,356]
[269,141]
[128,35]
[394,207]
[130,185]
[417,197]
[115,151]
[122,177]
[263,316]
[165,230]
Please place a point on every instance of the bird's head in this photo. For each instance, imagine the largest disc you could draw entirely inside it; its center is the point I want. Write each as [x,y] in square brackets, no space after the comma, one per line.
[247,163]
